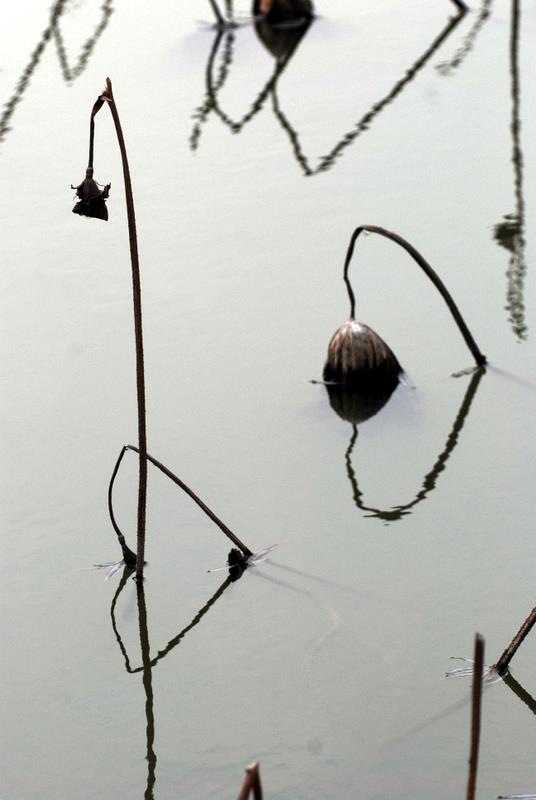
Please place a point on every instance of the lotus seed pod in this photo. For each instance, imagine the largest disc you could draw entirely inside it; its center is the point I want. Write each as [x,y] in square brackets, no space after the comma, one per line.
[357,356]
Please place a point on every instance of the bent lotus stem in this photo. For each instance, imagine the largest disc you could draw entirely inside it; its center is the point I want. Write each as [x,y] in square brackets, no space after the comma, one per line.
[107,96]
[427,269]
[504,661]
[185,488]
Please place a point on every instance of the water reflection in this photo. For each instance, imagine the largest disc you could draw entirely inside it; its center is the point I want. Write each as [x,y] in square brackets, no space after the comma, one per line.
[148,663]
[430,479]
[448,67]
[510,232]
[282,44]
[70,73]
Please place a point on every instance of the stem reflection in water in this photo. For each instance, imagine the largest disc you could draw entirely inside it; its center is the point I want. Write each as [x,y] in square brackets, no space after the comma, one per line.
[69,73]
[448,67]
[510,233]
[148,663]
[282,43]
[430,479]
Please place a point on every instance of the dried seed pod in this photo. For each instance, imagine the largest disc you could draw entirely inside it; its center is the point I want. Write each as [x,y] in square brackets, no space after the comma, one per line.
[357,356]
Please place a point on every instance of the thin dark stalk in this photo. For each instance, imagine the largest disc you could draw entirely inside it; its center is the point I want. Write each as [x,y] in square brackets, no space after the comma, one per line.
[476,716]
[185,488]
[136,294]
[148,686]
[427,269]
[252,783]
[217,13]
[462,8]
[128,556]
[504,661]
[172,642]
[430,479]
[520,691]
[363,124]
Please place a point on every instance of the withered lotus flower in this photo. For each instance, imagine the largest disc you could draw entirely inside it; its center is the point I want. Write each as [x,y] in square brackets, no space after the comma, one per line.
[92,202]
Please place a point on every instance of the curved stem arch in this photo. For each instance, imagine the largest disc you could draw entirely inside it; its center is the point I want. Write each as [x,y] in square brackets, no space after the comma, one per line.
[479,357]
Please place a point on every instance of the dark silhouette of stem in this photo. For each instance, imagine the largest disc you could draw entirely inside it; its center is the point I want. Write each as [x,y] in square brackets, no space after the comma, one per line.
[217,13]
[520,691]
[172,642]
[427,269]
[476,715]
[504,661]
[448,67]
[148,687]
[363,124]
[430,479]
[128,556]
[136,296]
[185,488]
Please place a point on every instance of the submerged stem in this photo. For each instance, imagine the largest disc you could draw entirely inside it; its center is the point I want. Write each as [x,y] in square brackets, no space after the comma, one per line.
[427,269]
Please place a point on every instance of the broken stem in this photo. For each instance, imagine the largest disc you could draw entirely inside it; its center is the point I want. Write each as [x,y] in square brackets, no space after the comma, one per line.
[427,269]
[252,783]
[504,661]
[221,525]
[476,715]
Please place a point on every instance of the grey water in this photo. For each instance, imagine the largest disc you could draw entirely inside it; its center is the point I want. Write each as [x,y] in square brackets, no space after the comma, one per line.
[399,536]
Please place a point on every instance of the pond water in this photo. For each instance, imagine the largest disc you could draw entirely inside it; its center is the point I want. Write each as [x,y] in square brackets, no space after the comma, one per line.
[398,538]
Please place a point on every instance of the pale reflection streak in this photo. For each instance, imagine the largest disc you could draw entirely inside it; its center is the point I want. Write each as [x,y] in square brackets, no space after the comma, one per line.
[430,479]
[69,73]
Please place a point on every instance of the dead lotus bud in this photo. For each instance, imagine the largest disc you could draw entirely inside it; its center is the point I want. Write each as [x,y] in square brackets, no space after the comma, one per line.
[356,354]
[92,202]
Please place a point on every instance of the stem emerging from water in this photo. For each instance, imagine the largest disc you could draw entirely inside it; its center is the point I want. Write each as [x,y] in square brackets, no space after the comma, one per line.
[107,96]
[476,715]
[167,472]
[504,661]
[427,269]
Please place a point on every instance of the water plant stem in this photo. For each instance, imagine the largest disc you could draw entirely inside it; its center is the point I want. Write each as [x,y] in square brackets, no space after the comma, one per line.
[167,472]
[503,663]
[252,783]
[476,714]
[427,269]
[107,96]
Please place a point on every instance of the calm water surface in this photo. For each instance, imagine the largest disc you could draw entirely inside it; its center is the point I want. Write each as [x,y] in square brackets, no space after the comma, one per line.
[397,539]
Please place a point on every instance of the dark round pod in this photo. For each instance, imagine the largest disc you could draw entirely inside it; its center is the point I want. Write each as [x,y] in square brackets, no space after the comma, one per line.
[358,357]
[277,11]
[280,41]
